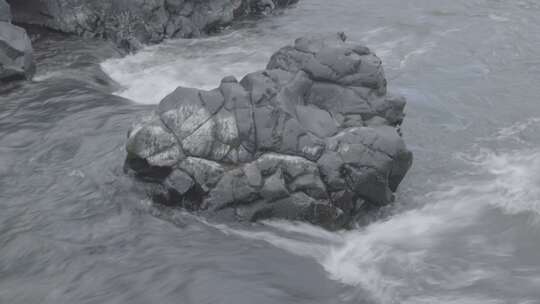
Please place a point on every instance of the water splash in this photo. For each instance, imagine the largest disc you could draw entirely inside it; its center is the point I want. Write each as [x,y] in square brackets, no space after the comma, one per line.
[149,75]
[435,253]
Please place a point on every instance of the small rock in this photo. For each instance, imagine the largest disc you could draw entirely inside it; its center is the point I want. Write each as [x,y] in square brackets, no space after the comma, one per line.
[16,59]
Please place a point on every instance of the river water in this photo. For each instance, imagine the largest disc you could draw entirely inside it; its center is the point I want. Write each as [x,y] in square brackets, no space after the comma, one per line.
[465,228]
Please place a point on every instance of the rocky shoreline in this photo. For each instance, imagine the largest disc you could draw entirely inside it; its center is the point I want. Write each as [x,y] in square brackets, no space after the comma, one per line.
[128,24]
[314,138]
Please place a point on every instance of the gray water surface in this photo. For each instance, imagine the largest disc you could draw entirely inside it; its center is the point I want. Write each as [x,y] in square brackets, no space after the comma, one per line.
[465,228]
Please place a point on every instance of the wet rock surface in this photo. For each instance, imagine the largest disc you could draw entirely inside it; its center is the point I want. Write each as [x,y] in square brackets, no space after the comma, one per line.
[135,22]
[16,59]
[314,138]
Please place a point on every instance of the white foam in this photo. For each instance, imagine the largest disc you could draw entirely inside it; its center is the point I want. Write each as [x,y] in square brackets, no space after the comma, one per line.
[152,73]
[416,53]
[302,248]
[498,18]
[404,242]
[47,75]
[403,259]
[516,186]
[515,129]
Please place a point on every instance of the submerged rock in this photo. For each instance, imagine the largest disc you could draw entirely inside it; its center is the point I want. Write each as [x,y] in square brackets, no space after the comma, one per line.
[16,59]
[135,22]
[313,138]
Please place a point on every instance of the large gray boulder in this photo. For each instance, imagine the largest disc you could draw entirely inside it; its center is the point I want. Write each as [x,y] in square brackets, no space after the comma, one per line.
[313,137]
[16,59]
[132,22]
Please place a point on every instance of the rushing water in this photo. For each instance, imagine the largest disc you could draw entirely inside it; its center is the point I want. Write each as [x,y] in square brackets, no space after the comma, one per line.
[465,228]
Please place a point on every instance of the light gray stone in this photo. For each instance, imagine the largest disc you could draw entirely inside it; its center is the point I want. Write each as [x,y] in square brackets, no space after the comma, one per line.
[150,142]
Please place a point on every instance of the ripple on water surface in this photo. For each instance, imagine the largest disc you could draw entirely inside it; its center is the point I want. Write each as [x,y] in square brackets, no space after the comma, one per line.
[74,228]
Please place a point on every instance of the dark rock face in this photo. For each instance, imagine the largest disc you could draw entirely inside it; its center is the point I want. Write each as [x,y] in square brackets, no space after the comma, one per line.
[5,12]
[313,137]
[16,60]
[132,22]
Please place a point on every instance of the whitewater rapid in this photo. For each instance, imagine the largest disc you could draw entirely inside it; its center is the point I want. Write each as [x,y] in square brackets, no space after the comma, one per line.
[436,253]
[465,227]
